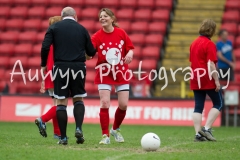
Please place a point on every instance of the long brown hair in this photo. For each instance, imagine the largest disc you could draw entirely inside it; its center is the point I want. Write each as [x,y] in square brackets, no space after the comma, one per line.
[207,28]
[54,19]
[111,14]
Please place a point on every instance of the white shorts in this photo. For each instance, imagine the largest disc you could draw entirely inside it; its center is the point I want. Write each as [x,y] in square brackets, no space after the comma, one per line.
[118,88]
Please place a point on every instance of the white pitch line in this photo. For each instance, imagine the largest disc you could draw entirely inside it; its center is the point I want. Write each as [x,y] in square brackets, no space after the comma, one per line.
[166,147]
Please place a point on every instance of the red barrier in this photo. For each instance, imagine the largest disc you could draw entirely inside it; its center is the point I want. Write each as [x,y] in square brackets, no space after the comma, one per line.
[147,112]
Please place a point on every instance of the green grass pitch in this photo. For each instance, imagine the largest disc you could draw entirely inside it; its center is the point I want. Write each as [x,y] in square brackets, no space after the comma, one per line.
[21,141]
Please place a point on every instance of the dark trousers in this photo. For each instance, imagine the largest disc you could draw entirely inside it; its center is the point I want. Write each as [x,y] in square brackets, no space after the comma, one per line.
[200,97]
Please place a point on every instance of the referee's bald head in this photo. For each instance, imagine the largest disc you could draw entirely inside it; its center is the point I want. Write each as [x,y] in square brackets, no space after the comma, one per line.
[68,11]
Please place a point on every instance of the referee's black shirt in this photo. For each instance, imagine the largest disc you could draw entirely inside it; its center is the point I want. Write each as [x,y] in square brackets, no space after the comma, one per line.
[70,42]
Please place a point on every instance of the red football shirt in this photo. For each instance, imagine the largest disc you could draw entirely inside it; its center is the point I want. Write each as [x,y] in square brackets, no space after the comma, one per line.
[201,51]
[112,49]
[48,81]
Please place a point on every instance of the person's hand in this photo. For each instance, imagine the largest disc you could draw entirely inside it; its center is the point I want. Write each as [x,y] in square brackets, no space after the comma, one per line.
[218,86]
[87,57]
[128,58]
[42,90]
[232,64]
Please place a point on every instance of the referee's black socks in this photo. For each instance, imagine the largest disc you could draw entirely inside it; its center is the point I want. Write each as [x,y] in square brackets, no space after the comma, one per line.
[78,112]
[62,120]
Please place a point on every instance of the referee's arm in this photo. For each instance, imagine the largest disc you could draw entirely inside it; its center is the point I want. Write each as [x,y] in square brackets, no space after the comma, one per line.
[48,40]
[90,50]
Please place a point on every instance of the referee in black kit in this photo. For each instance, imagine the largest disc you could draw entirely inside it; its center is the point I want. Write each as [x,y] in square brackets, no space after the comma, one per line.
[70,42]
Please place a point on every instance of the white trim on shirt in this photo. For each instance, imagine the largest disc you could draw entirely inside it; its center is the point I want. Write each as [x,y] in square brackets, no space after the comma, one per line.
[69,17]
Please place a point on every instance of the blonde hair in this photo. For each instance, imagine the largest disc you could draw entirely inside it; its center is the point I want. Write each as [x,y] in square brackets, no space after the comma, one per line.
[54,19]
[111,14]
[207,28]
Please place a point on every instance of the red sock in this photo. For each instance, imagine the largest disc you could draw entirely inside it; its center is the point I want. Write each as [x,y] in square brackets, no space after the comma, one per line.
[119,117]
[104,120]
[56,129]
[50,114]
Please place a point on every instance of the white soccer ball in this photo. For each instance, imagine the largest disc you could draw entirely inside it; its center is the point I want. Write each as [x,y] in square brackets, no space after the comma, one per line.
[150,142]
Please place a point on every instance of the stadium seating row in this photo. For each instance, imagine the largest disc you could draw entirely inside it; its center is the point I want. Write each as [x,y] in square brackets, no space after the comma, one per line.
[98,3]
[92,26]
[87,13]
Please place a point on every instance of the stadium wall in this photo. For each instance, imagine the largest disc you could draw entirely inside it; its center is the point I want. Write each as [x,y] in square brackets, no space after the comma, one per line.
[140,112]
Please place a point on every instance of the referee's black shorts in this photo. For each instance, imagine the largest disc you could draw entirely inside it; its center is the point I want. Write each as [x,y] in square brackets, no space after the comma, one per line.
[69,80]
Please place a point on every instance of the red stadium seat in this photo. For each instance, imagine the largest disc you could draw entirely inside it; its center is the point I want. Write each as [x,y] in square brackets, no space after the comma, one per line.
[238,42]
[9,36]
[19,12]
[137,52]
[158,27]
[164,4]
[231,16]
[78,3]
[40,2]
[14,24]
[22,2]
[134,64]
[4,11]
[231,5]
[44,25]
[36,12]
[4,62]
[91,88]
[91,3]
[149,64]
[139,26]
[90,75]
[2,24]
[237,53]
[142,14]
[53,11]
[32,24]
[23,49]
[98,26]
[33,62]
[6,49]
[125,25]
[13,60]
[91,13]
[125,14]
[28,36]
[40,36]
[128,3]
[37,49]
[2,72]
[110,3]
[161,15]
[230,27]
[2,85]
[91,64]
[137,39]
[88,24]
[61,3]
[151,52]
[6,2]
[154,39]
[145,4]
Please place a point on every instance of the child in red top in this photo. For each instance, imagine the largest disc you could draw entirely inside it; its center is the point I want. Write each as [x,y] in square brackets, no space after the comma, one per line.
[48,84]
[114,54]
[203,57]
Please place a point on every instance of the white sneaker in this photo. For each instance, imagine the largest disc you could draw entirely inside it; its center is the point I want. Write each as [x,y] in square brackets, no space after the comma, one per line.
[117,135]
[105,140]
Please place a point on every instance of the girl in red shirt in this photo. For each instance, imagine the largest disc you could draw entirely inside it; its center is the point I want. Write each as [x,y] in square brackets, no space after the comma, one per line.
[115,52]
[203,58]
[48,85]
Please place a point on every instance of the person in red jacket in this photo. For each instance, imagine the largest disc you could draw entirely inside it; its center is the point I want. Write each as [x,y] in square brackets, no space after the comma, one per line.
[47,84]
[203,58]
[115,52]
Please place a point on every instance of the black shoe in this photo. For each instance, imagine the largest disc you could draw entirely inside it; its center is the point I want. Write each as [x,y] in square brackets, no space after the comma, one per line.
[207,134]
[63,141]
[41,127]
[199,138]
[79,136]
